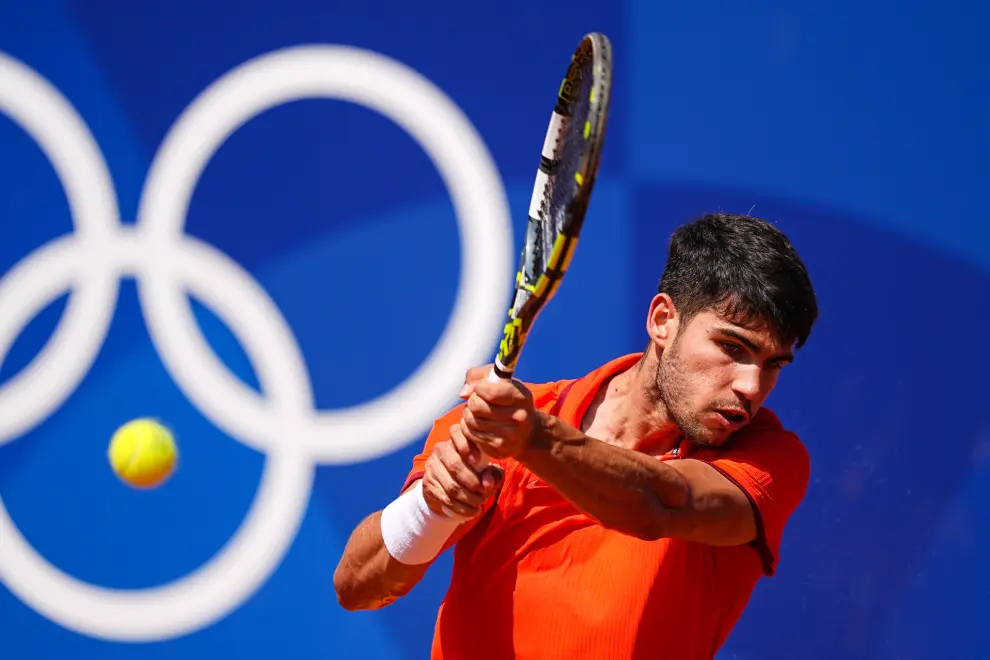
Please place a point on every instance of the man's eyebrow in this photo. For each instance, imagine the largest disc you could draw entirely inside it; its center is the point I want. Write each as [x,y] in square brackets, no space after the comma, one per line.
[738,336]
[750,344]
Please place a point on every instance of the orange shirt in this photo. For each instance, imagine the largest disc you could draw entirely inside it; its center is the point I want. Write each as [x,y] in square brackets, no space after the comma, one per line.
[534,577]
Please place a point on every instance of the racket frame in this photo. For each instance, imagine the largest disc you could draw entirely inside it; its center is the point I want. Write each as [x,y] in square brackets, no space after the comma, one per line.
[596,47]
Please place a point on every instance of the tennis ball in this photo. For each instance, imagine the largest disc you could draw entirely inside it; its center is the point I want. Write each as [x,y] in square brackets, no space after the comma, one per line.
[143,453]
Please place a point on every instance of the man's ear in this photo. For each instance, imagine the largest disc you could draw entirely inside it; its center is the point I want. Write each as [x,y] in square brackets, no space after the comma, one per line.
[662,321]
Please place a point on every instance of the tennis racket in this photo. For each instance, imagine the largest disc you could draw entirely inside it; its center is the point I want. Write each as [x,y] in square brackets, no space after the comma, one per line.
[561,194]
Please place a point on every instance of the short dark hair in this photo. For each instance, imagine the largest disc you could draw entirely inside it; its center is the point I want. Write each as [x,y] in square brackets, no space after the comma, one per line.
[744,268]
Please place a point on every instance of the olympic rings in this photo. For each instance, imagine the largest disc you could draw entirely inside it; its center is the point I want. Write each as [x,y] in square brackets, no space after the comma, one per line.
[170,266]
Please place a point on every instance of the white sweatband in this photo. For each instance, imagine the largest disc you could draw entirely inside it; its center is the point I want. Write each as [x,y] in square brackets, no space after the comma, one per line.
[413,533]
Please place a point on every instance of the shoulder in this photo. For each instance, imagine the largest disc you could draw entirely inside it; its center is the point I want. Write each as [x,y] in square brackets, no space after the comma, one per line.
[772,467]
[765,456]
[765,434]
[545,395]
[764,423]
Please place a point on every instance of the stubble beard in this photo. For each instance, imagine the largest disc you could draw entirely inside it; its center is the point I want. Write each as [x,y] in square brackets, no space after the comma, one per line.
[671,392]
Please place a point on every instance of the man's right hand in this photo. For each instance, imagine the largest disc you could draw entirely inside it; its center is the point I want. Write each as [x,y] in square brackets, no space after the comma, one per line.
[473,376]
[449,481]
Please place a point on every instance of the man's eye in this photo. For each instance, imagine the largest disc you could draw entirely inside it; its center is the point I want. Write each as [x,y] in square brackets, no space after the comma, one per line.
[730,348]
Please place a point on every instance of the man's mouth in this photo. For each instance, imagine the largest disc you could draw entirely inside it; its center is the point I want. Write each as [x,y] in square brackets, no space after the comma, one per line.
[734,419]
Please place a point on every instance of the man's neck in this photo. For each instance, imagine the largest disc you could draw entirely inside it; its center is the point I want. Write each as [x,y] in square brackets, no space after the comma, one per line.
[624,414]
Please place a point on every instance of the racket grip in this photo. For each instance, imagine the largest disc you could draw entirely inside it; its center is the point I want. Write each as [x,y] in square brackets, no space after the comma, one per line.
[483,460]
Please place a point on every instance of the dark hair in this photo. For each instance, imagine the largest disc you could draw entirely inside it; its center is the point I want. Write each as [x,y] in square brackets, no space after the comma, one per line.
[744,268]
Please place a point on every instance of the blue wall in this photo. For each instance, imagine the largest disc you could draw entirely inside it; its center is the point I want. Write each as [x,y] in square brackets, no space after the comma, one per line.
[861,128]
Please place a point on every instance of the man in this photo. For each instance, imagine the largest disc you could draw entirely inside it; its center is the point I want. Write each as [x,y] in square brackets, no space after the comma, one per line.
[628,513]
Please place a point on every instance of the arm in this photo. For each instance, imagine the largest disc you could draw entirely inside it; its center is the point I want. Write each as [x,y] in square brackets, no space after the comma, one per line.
[367,576]
[391,550]
[740,494]
[637,494]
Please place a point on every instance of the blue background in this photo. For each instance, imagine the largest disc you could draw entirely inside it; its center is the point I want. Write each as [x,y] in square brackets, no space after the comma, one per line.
[862,128]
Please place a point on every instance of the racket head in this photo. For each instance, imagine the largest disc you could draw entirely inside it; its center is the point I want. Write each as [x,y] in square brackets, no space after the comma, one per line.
[562,191]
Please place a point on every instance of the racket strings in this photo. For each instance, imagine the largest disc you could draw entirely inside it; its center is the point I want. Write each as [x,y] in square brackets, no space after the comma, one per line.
[565,173]
[569,160]
[568,164]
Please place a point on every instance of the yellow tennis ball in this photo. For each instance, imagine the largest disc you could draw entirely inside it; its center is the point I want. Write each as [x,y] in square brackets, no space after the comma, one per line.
[143,453]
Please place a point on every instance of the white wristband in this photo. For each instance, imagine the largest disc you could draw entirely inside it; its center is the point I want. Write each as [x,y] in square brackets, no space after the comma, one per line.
[412,532]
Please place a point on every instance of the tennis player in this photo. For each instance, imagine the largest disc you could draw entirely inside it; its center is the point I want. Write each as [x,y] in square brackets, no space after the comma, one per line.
[625,514]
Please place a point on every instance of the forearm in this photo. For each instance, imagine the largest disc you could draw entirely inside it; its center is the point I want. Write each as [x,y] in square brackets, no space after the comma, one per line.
[620,488]
[368,577]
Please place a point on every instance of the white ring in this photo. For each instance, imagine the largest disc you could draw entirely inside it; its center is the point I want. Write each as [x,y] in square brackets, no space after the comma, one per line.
[238,300]
[197,600]
[55,373]
[258,546]
[169,266]
[398,92]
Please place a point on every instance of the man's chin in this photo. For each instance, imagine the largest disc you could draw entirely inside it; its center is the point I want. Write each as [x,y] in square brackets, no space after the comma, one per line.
[706,437]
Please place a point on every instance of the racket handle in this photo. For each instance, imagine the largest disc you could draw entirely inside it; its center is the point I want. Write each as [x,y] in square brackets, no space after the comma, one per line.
[483,459]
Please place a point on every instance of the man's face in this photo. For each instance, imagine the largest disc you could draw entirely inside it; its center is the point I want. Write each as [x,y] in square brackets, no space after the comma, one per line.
[714,375]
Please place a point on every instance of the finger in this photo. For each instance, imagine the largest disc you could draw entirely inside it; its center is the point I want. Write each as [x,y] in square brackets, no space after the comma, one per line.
[433,493]
[491,477]
[467,450]
[453,497]
[476,457]
[490,443]
[472,377]
[464,484]
[502,392]
[479,373]
[485,432]
[437,485]
[453,514]
[479,407]
[514,409]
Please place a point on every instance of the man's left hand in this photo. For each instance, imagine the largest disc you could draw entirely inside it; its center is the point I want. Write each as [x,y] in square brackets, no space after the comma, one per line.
[499,418]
